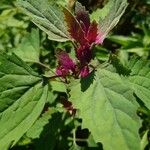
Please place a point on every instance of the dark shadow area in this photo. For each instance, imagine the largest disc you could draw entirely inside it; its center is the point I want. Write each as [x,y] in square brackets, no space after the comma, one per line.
[82,136]
[50,137]
[87,81]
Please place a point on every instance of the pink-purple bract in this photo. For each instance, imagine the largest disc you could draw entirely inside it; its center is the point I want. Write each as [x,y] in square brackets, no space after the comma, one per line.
[66,64]
[85,34]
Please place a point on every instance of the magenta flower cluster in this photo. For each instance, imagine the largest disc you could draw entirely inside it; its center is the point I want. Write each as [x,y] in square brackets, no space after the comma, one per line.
[85,35]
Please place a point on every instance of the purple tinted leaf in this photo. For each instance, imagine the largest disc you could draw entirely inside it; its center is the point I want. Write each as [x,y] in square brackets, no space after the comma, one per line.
[100,38]
[92,32]
[74,28]
[82,16]
[84,54]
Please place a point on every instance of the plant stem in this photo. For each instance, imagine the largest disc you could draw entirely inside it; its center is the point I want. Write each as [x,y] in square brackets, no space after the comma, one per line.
[45,66]
[74,136]
[42,65]
[77,139]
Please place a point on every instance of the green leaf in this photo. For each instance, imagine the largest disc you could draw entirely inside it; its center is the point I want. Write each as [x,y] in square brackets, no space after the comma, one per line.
[58,86]
[113,16]
[75,147]
[37,128]
[140,51]
[8,19]
[101,13]
[140,79]
[20,116]
[22,98]
[29,49]
[47,17]
[63,3]
[125,41]
[107,108]
[120,68]
[52,136]
[51,97]
[144,140]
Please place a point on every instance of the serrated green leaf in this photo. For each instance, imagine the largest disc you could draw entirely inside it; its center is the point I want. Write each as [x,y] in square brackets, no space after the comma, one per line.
[101,13]
[51,97]
[47,17]
[120,68]
[108,110]
[113,16]
[22,98]
[50,138]
[140,79]
[37,128]
[29,49]
[63,3]
[20,116]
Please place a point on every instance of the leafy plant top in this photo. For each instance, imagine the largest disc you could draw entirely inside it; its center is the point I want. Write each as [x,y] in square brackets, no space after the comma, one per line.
[78,94]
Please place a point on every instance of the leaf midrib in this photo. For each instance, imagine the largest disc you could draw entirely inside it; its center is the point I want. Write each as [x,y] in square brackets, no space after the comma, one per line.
[27,115]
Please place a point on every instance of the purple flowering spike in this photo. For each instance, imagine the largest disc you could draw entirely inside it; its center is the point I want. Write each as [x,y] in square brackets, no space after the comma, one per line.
[66,64]
[59,71]
[62,71]
[81,29]
[65,61]
[84,72]
[85,34]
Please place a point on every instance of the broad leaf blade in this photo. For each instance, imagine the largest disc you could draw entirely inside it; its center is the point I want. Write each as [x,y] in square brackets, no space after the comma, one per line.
[101,13]
[108,111]
[11,64]
[74,27]
[120,68]
[50,136]
[144,141]
[35,131]
[140,79]
[112,18]
[47,17]
[22,98]
[20,116]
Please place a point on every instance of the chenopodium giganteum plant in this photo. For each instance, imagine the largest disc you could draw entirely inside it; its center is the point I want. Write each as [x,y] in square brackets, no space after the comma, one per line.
[105,98]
